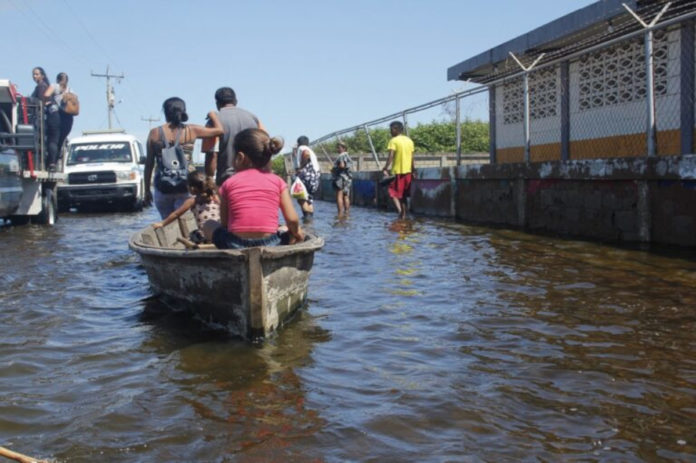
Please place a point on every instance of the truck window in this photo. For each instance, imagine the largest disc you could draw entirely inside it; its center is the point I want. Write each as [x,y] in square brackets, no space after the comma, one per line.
[86,153]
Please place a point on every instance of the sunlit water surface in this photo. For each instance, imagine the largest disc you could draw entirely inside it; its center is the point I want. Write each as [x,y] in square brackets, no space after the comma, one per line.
[422,341]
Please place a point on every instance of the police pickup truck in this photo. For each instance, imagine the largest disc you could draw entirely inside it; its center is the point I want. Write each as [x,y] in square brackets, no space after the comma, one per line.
[103,169]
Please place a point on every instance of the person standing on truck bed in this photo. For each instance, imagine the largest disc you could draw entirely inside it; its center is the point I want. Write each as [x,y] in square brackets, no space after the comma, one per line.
[66,119]
[44,92]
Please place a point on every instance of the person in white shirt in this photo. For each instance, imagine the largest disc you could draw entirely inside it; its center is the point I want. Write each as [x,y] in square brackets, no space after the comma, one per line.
[307,170]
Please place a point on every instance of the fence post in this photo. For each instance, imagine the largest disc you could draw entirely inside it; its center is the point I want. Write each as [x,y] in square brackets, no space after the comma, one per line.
[526,124]
[649,75]
[372,147]
[458,121]
[525,84]
[687,87]
[650,87]
[492,121]
[326,154]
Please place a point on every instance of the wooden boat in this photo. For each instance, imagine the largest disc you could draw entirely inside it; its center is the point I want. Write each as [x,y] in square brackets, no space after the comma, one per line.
[251,292]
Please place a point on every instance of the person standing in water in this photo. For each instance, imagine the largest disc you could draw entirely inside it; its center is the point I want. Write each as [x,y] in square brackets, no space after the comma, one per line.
[342,178]
[307,170]
[400,160]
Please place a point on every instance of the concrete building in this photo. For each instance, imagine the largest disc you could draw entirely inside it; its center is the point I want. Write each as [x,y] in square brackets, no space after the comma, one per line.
[589,85]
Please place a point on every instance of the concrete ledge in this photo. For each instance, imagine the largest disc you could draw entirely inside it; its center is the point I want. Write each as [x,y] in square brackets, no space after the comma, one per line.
[619,200]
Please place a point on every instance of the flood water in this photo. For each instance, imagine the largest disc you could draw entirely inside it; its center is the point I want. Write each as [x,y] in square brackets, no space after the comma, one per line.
[424,341]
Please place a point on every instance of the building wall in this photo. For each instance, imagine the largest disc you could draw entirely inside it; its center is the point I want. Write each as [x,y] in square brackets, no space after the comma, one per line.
[607,105]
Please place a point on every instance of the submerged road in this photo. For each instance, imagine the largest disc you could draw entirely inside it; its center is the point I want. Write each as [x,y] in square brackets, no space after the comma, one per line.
[422,341]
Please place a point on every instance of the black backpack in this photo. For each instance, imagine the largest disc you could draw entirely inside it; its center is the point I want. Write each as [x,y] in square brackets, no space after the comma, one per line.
[172,167]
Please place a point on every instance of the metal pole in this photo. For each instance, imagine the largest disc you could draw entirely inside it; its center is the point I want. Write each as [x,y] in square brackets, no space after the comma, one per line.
[458,121]
[109,99]
[649,75]
[109,91]
[372,147]
[650,96]
[527,141]
[150,120]
[42,134]
[325,153]
[525,84]
[403,115]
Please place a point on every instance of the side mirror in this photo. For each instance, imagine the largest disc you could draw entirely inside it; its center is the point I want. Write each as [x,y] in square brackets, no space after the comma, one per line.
[142,159]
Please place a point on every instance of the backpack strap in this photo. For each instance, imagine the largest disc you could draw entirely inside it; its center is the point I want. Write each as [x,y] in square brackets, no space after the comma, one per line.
[164,139]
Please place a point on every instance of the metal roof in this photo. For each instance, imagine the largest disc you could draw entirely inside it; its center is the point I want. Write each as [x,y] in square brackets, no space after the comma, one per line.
[586,27]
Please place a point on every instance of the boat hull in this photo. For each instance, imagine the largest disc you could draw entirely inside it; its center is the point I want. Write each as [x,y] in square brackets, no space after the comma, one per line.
[252,292]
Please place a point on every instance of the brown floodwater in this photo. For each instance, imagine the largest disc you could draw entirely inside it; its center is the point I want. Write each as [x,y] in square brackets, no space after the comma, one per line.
[423,341]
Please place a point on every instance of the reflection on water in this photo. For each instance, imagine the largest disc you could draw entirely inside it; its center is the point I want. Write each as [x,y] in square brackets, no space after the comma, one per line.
[423,340]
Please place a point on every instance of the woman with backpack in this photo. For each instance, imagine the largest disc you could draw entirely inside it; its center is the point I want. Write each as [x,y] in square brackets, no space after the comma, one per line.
[165,155]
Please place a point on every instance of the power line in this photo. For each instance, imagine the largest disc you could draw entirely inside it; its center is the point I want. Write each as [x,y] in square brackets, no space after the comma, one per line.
[138,99]
[46,29]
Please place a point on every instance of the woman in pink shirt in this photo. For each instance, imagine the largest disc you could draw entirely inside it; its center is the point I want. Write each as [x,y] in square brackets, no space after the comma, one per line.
[249,200]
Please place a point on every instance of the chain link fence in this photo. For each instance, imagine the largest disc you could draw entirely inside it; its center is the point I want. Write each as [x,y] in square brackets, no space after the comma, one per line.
[432,126]
[626,90]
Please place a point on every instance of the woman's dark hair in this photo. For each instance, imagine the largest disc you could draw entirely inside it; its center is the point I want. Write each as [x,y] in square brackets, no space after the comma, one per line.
[205,186]
[60,77]
[257,146]
[175,111]
[303,140]
[43,73]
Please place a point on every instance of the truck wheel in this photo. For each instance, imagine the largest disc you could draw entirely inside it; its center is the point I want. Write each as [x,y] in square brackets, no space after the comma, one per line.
[49,209]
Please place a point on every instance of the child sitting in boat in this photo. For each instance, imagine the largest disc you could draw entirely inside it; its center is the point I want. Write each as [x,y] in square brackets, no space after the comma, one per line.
[204,203]
[249,200]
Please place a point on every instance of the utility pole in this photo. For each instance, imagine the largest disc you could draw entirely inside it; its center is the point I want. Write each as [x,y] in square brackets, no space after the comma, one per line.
[110,99]
[149,120]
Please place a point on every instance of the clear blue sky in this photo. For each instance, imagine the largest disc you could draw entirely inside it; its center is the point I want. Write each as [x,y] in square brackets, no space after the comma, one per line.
[305,67]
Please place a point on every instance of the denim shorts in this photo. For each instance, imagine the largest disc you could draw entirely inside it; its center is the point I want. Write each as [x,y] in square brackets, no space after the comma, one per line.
[222,239]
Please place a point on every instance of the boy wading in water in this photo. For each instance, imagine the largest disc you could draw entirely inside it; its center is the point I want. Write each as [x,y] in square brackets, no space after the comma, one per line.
[400,159]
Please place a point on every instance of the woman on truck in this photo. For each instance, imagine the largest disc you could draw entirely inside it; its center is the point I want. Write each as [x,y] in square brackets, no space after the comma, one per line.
[44,92]
[66,119]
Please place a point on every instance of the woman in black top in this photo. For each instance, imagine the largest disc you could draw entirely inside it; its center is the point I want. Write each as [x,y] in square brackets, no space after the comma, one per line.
[44,92]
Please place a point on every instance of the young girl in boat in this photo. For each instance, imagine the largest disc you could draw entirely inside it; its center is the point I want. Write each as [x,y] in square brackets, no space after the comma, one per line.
[204,203]
[249,200]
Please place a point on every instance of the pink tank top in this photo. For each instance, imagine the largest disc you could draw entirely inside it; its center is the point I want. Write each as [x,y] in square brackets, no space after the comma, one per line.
[253,199]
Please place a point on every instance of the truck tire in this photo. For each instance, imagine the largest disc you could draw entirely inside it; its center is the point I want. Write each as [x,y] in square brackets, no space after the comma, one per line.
[49,208]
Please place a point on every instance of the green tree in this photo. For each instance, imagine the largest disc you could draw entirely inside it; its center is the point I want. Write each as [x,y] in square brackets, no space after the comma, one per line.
[433,137]
[278,166]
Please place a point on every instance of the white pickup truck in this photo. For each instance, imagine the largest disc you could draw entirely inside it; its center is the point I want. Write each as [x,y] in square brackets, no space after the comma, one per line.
[103,169]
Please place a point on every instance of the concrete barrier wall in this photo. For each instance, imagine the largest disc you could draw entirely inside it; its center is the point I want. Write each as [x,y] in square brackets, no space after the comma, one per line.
[618,200]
